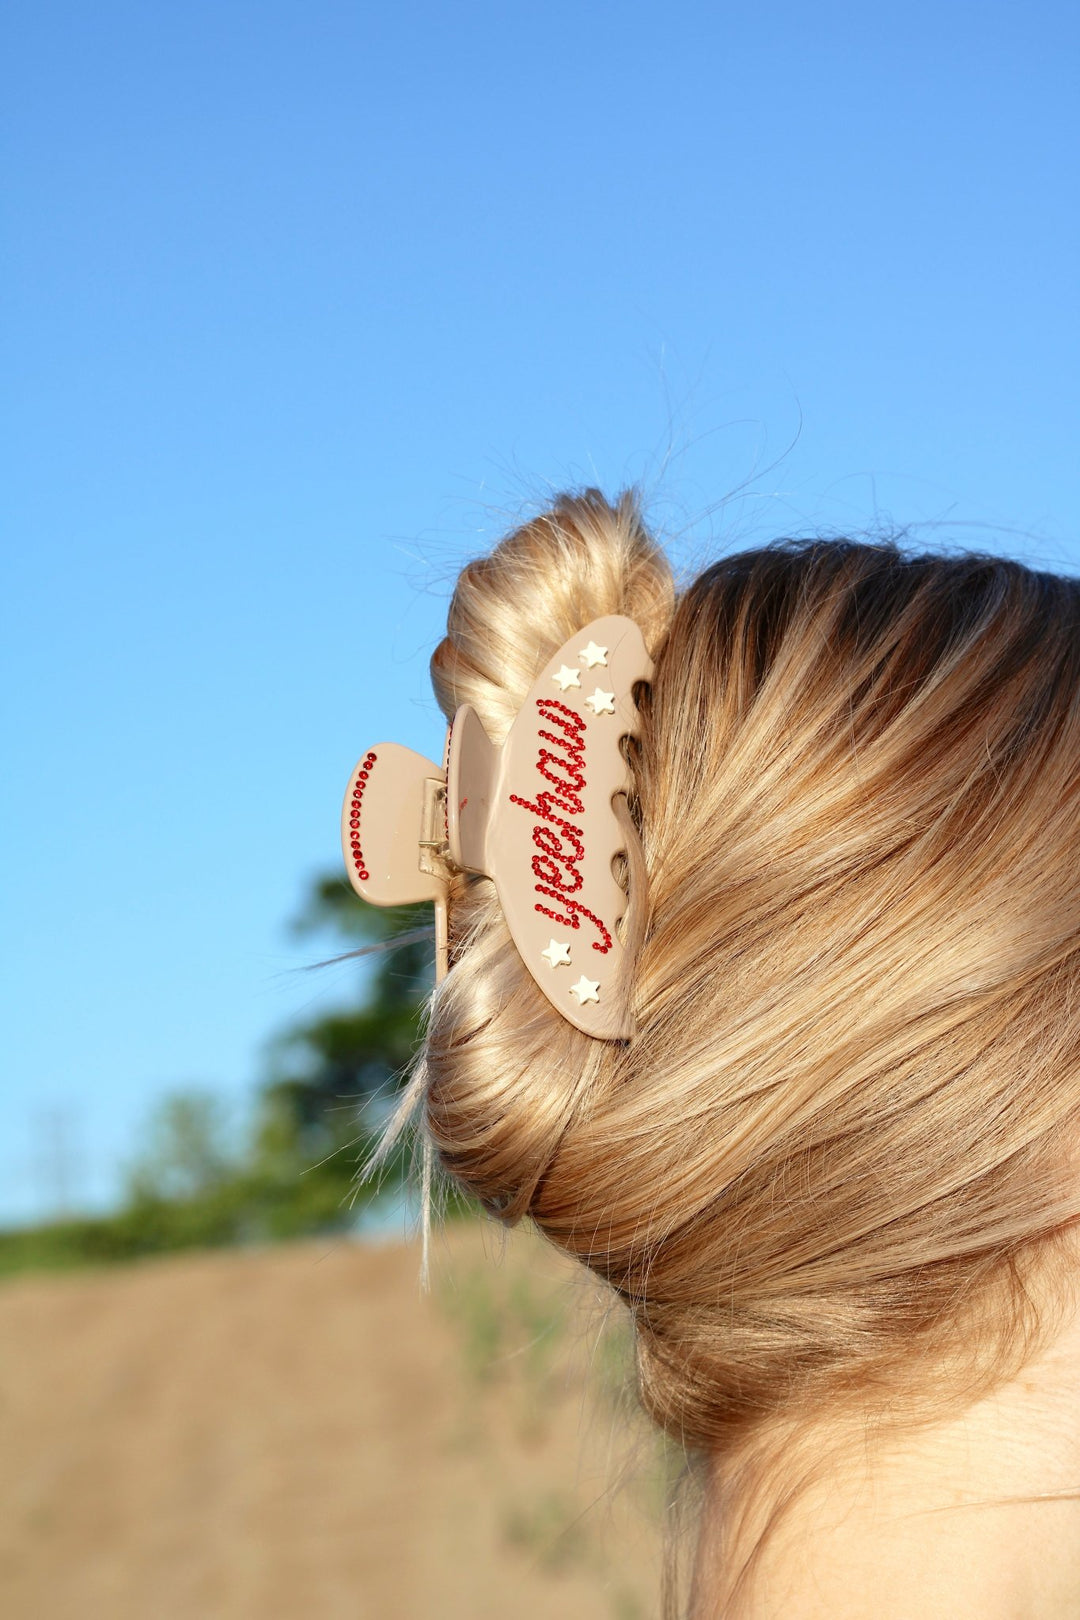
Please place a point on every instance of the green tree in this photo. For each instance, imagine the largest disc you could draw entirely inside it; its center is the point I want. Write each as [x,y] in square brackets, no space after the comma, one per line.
[314,1124]
[188,1153]
[329,1071]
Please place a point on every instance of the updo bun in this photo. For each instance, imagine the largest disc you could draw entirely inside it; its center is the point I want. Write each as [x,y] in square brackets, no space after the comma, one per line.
[577,562]
[846,1127]
[505,1074]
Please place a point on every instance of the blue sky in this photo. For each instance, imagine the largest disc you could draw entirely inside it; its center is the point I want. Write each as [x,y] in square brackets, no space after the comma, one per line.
[305,303]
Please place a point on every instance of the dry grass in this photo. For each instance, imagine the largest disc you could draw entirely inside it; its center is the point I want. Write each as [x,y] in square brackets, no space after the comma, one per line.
[298,1432]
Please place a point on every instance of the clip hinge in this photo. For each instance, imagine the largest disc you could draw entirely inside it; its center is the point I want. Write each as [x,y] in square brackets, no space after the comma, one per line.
[433,840]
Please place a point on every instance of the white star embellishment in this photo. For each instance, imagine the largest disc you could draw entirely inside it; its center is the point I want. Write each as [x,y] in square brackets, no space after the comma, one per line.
[594,655]
[558,955]
[567,677]
[586,990]
[601,702]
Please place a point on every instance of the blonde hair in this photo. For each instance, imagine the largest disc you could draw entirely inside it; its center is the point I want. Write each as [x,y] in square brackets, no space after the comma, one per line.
[846,1129]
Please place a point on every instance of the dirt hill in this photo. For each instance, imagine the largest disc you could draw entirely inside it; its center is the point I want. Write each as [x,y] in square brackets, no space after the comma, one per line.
[300,1432]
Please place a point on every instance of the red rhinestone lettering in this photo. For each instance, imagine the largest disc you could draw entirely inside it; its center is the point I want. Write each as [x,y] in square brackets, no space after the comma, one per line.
[560,841]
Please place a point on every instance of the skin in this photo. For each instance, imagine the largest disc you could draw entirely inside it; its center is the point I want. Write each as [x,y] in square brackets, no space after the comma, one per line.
[928,1527]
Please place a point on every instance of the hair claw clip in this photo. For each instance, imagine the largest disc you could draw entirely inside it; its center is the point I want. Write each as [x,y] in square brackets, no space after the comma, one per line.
[544,816]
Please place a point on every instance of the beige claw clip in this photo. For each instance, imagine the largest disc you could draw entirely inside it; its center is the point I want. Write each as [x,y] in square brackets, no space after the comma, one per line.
[544,816]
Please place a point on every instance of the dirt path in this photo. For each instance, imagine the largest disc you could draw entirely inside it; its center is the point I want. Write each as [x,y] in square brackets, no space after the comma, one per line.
[298,1432]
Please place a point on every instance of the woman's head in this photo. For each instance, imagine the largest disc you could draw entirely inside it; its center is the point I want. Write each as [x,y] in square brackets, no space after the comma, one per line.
[844,1132]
